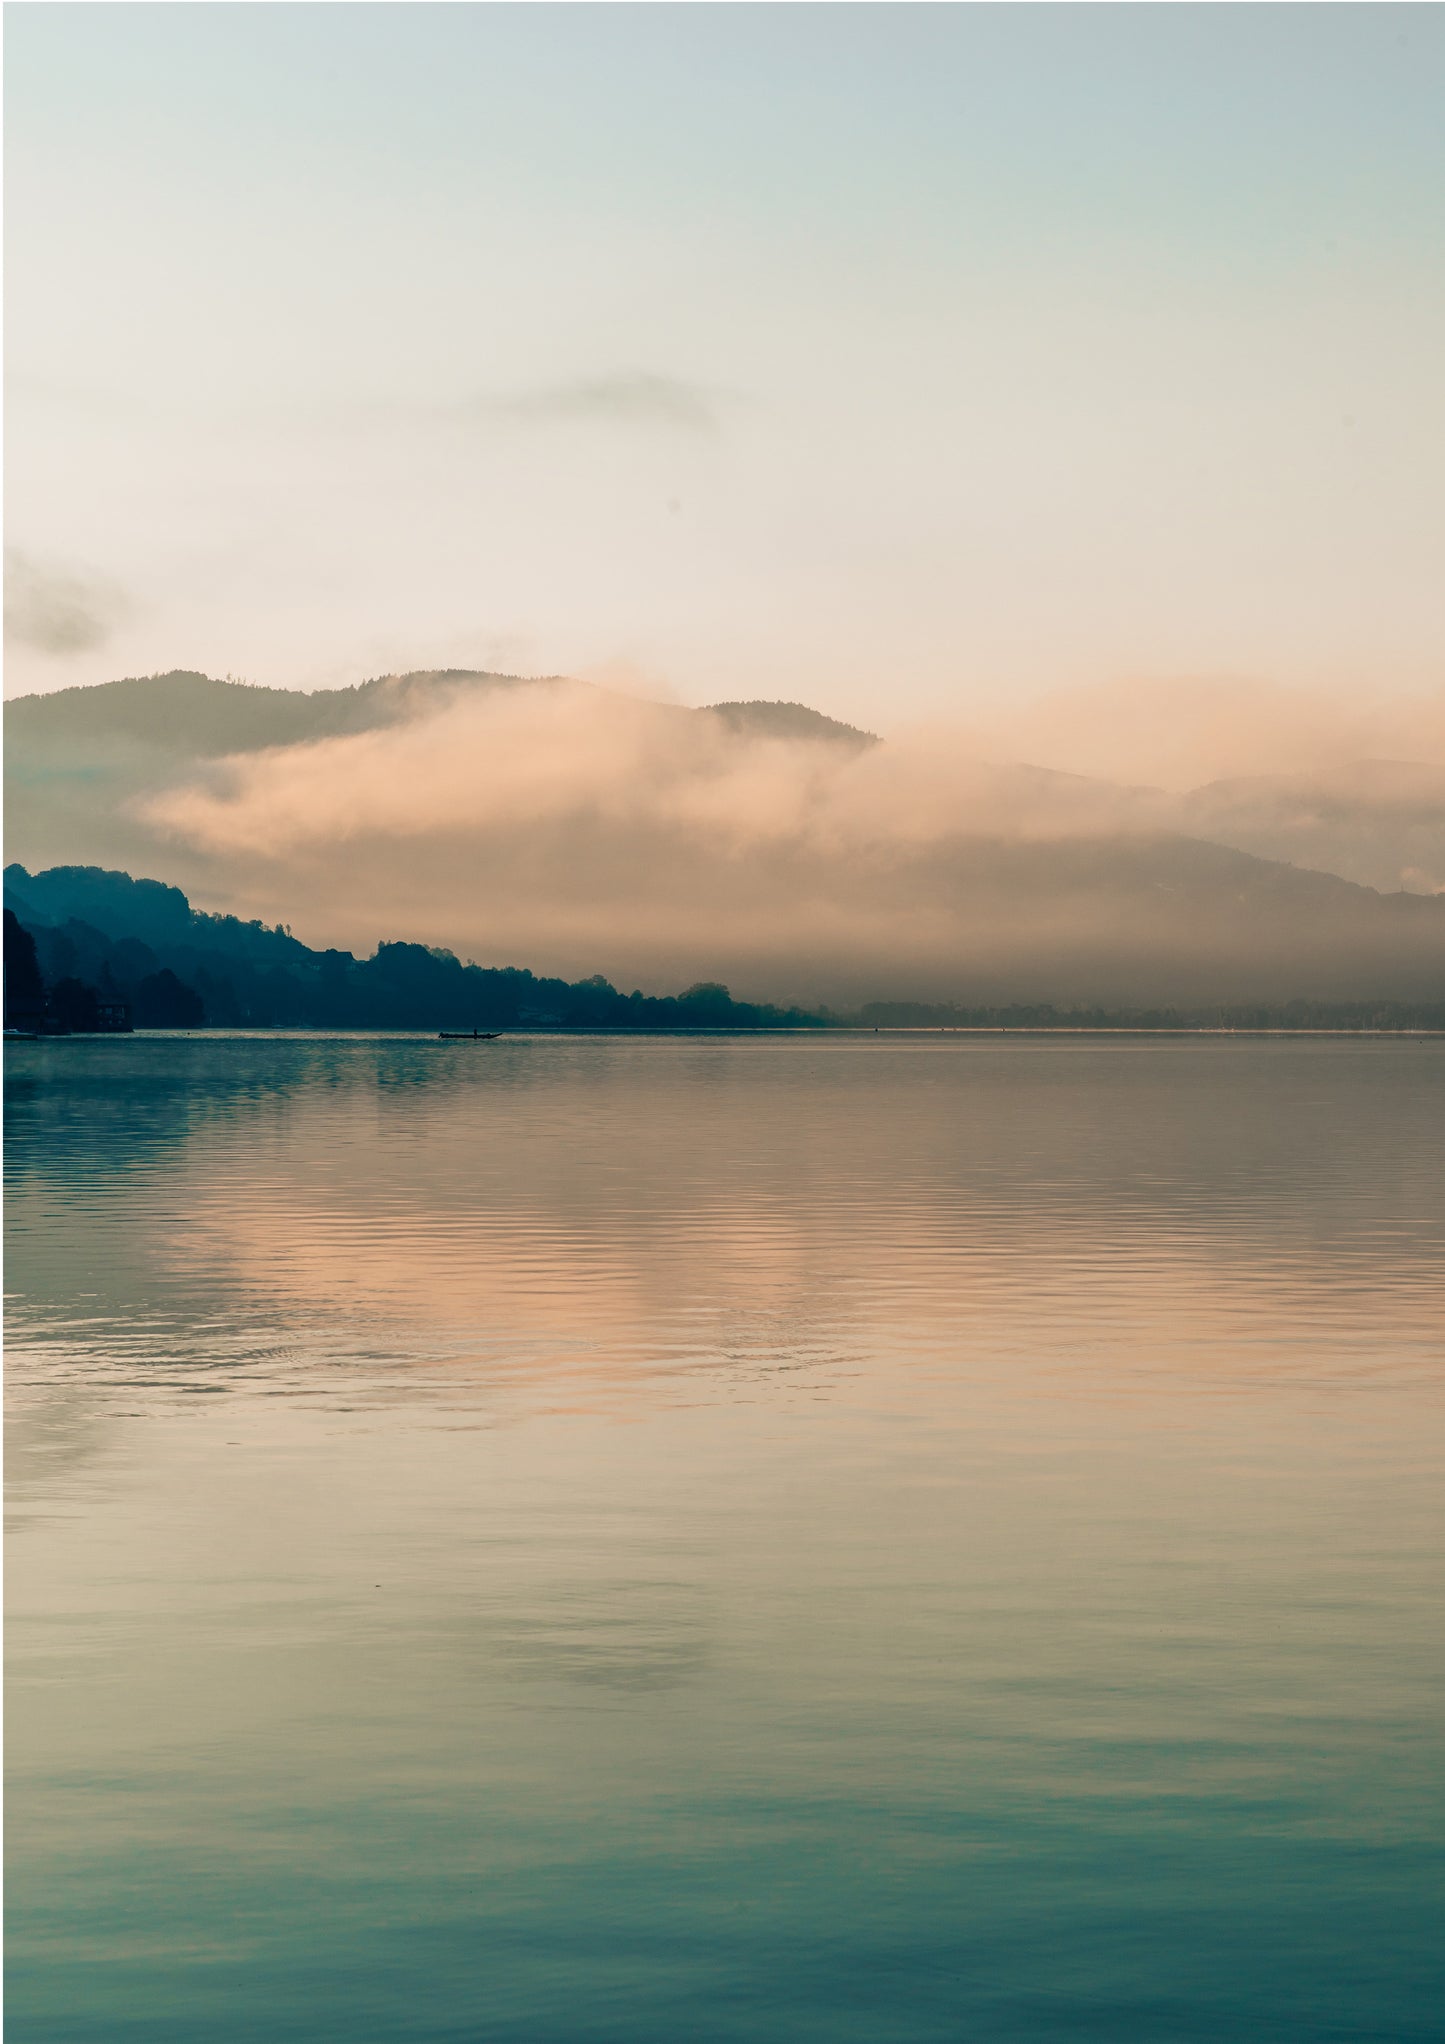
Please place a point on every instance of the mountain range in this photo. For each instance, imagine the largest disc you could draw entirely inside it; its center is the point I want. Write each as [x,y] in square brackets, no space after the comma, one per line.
[802,858]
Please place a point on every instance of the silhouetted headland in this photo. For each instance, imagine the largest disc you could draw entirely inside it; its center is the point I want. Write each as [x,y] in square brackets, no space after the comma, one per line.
[87,950]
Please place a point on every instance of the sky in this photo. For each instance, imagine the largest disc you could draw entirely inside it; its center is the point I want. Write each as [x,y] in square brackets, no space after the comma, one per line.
[901,360]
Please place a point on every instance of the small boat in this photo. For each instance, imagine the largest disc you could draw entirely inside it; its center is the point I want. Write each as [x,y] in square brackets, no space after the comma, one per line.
[468,1035]
[22,1035]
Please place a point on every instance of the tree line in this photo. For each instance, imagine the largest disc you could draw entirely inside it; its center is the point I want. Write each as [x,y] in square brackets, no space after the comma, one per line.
[190,971]
[82,943]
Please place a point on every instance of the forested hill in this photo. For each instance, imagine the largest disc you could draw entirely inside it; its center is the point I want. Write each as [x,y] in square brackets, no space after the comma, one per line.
[100,935]
[201,717]
[117,935]
[197,716]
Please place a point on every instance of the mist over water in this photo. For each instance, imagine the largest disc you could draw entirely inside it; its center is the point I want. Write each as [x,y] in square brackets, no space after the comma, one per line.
[576,830]
[1056,853]
[613,1540]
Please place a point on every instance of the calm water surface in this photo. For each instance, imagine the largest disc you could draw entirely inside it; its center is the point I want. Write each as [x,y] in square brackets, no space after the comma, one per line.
[848,1539]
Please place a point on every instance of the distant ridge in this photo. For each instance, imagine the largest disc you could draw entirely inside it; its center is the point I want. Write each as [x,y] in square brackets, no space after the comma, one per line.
[202,717]
[789,720]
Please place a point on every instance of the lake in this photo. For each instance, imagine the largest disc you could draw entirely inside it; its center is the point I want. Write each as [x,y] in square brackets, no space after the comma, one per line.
[796,1538]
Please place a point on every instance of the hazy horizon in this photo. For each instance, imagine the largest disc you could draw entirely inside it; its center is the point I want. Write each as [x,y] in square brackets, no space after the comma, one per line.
[568,827]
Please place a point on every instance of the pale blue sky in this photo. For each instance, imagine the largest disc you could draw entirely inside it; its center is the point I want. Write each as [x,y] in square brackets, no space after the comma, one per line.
[893,357]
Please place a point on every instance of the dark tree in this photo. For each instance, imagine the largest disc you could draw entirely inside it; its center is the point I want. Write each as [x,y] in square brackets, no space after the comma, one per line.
[24,988]
[74,1005]
[164,1002]
[707,1005]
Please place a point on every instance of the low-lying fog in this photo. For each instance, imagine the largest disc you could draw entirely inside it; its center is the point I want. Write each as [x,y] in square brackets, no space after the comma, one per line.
[571,828]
